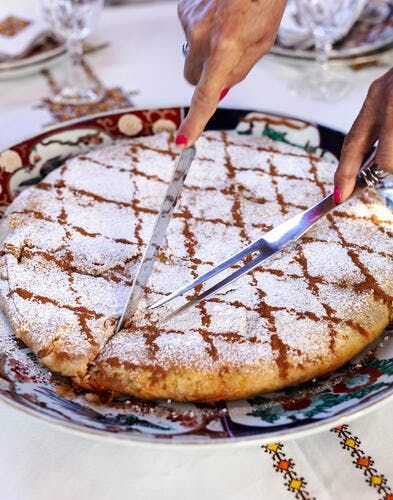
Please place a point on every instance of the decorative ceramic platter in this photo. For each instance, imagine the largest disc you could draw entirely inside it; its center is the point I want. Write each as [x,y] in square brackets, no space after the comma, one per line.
[373,32]
[358,386]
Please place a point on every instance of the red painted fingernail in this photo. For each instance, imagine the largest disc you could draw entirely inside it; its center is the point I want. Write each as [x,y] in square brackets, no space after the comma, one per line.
[337,195]
[224,92]
[181,140]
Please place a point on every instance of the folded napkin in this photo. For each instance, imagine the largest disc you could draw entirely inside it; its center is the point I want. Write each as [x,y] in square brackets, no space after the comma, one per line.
[20,35]
[294,34]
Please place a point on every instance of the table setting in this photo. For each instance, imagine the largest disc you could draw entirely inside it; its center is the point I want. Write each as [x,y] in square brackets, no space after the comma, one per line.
[367,32]
[92,96]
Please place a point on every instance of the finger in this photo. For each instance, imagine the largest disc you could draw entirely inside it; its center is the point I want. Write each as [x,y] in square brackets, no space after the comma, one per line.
[197,41]
[184,12]
[214,78]
[248,60]
[193,64]
[245,64]
[358,142]
[384,157]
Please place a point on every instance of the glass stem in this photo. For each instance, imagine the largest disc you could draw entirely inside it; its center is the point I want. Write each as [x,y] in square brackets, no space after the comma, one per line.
[323,46]
[75,74]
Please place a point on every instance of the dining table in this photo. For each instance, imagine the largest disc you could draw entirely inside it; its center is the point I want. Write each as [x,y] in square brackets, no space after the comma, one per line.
[139,62]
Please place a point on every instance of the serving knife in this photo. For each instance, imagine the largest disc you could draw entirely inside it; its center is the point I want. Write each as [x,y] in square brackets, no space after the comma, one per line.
[146,265]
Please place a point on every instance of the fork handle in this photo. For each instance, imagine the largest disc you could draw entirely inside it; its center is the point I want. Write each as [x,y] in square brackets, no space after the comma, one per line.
[369,174]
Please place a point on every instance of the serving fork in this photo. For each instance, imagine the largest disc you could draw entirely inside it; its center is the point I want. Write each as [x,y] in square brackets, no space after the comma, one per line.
[272,242]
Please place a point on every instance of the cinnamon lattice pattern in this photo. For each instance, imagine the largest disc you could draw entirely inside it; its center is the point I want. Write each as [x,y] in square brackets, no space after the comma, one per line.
[239,187]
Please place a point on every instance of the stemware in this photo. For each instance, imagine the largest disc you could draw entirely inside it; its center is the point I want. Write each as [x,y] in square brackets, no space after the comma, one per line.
[73,20]
[328,21]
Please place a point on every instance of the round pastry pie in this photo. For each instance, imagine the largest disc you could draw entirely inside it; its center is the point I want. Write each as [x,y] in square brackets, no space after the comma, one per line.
[73,243]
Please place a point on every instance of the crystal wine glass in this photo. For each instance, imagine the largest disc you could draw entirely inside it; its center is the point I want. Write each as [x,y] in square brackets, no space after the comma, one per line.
[73,20]
[328,21]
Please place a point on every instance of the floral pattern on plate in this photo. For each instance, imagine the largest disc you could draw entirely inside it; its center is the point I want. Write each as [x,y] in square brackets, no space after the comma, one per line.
[25,383]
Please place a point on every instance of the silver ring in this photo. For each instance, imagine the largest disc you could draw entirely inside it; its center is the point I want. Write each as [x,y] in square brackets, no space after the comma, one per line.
[185,48]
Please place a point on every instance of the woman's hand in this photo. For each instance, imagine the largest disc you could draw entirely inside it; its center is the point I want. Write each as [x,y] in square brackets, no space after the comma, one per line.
[375,121]
[226,38]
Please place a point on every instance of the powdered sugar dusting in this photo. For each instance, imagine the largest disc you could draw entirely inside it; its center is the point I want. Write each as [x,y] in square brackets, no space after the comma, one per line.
[78,237]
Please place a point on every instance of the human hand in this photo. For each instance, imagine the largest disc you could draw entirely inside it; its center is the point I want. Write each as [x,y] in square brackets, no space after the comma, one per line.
[226,38]
[375,121]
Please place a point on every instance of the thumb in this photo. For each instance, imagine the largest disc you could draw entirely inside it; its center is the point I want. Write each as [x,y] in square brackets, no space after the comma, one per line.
[358,142]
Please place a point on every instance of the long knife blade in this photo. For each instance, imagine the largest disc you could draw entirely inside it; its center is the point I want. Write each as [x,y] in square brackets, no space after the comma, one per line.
[146,265]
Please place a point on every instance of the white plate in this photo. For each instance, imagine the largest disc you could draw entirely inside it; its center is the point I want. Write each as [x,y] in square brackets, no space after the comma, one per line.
[32,64]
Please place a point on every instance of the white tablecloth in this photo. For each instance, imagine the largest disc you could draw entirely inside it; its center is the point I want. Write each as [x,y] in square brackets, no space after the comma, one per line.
[40,461]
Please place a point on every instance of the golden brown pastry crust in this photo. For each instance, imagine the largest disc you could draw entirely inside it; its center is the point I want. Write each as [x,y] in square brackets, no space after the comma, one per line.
[227,383]
[76,239]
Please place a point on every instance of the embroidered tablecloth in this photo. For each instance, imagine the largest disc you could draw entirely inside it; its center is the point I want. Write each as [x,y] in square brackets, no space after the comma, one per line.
[143,66]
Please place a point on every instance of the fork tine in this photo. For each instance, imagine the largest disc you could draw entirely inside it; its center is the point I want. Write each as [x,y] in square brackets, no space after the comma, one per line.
[209,274]
[229,279]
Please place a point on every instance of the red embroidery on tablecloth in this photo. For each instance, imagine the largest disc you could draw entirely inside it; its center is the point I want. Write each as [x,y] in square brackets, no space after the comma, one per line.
[12,25]
[114,98]
[364,462]
[286,467]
